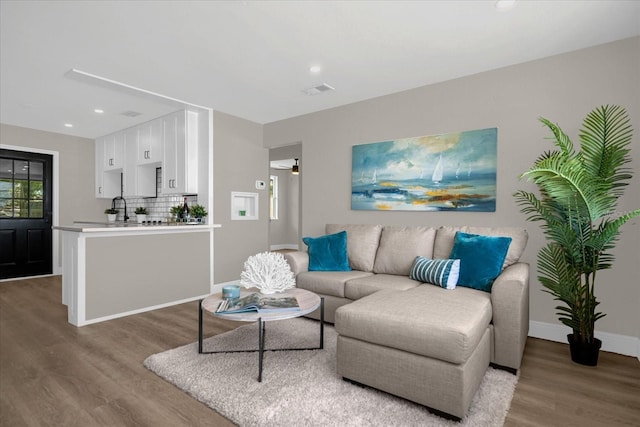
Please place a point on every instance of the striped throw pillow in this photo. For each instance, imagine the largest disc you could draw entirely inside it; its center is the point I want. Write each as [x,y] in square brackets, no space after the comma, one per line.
[441,272]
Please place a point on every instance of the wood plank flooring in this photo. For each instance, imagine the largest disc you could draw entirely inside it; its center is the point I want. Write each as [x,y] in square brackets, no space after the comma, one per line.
[54,374]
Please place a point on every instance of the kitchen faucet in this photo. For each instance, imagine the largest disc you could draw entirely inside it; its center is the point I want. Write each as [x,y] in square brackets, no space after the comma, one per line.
[113,206]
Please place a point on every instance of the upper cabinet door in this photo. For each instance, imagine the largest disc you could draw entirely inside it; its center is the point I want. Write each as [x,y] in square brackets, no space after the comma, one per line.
[150,142]
[114,151]
[174,153]
[180,153]
[108,181]
[99,167]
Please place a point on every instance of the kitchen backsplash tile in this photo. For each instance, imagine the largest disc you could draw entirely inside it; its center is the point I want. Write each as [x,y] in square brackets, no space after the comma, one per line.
[157,207]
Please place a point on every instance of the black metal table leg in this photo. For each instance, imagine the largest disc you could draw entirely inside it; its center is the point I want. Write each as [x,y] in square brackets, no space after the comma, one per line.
[321,323]
[260,347]
[200,327]
[261,339]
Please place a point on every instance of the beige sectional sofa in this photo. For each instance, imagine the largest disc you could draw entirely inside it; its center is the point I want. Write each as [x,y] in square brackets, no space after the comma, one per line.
[420,341]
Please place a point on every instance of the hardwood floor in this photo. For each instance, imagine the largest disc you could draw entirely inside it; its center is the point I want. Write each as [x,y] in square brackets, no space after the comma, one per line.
[54,374]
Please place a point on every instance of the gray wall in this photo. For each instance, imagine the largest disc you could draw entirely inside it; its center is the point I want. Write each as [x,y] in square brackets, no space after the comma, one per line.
[239,159]
[115,283]
[563,88]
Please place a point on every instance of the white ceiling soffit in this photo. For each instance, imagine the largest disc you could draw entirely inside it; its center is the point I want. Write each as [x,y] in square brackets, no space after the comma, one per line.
[252,59]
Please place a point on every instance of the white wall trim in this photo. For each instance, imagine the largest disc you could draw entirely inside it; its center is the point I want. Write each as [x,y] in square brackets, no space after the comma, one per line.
[140,310]
[292,246]
[615,343]
[55,236]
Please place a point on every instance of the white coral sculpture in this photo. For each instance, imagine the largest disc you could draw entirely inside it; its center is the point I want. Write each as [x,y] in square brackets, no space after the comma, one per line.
[267,271]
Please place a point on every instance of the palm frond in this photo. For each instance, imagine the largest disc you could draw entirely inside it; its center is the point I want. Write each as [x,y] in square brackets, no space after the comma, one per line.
[605,134]
[562,140]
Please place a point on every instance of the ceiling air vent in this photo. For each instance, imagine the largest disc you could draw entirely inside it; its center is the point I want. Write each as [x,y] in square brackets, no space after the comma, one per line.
[318,89]
[131,113]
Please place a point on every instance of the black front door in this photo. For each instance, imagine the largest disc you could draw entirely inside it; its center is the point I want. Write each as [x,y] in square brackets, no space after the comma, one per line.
[25,214]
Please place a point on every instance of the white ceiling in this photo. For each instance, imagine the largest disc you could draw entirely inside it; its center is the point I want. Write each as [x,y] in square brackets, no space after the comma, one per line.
[251,58]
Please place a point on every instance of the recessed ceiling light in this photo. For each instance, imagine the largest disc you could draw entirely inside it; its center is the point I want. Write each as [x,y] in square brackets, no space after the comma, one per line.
[504,4]
[315,69]
[68,125]
[98,110]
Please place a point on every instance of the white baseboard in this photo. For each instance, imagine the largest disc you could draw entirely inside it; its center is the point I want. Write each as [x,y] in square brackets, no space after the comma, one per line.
[140,310]
[615,343]
[284,246]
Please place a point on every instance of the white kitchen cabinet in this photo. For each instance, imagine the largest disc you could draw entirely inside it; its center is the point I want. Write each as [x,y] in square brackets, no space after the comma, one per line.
[99,166]
[149,146]
[180,153]
[169,142]
[107,184]
[139,180]
[114,151]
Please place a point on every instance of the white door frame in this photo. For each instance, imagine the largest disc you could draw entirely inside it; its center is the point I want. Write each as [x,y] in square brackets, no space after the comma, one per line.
[55,258]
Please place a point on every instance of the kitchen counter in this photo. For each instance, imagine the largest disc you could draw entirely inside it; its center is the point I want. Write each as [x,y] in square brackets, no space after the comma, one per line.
[111,270]
[121,226]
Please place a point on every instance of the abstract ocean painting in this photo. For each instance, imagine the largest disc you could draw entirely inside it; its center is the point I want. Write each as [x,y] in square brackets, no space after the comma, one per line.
[448,172]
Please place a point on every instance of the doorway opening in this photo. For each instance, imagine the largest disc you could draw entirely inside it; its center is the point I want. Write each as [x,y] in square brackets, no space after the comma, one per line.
[285,197]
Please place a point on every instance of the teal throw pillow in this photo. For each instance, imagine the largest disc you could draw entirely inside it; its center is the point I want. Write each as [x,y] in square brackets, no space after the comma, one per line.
[481,259]
[441,272]
[328,253]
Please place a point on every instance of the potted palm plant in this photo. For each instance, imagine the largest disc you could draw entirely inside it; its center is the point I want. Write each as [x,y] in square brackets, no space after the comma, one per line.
[576,206]
[176,213]
[199,212]
[141,214]
[111,214]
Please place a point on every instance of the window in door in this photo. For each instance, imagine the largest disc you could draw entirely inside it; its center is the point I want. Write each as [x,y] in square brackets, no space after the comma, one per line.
[273,197]
[21,188]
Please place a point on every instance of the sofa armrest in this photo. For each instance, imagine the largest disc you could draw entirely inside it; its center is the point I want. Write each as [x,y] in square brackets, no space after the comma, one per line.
[510,303]
[298,261]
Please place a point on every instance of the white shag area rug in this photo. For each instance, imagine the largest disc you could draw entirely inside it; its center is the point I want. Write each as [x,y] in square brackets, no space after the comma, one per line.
[302,387]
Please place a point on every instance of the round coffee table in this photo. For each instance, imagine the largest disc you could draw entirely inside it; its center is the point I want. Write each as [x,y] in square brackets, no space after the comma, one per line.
[308,302]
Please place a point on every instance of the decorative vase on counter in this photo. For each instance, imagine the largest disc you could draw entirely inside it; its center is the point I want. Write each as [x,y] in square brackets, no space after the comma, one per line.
[140,218]
[111,217]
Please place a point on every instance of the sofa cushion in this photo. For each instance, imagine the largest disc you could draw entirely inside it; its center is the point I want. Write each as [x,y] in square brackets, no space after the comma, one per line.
[362,243]
[328,253]
[399,247]
[327,282]
[425,320]
[446,234]
[481,258]
[363,286]
[441,272]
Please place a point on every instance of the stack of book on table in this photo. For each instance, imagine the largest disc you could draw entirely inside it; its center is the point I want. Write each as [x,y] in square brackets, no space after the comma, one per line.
[257,303]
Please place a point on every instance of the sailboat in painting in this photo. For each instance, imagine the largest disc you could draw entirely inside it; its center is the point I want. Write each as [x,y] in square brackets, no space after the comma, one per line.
[438,172]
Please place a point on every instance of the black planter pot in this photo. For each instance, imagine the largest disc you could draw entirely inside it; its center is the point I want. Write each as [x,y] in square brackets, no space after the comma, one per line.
[584,353]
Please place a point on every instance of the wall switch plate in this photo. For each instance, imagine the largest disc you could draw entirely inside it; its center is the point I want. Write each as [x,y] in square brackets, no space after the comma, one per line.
[260,185]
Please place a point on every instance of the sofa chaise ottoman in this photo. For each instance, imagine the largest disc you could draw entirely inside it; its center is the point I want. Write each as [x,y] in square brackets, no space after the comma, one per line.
[419,341]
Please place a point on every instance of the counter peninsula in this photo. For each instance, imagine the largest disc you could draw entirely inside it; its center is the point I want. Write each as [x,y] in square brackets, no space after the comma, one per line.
[112,270]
